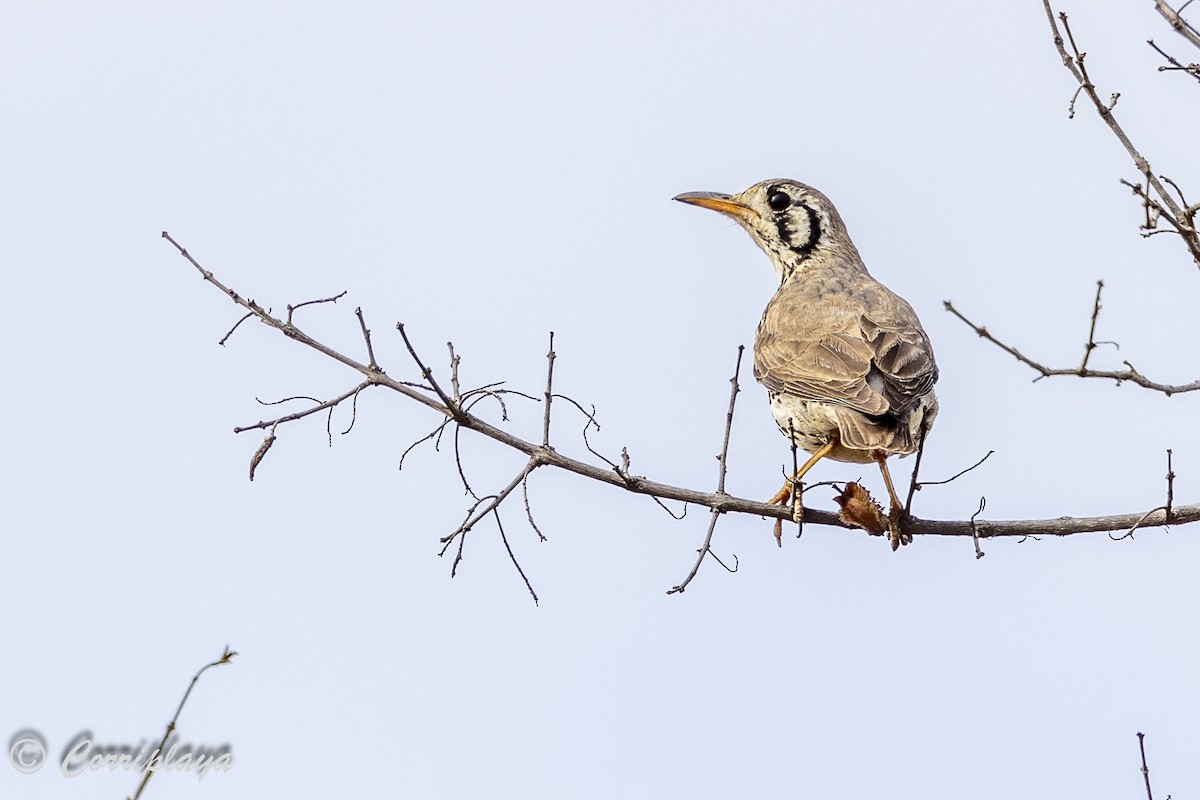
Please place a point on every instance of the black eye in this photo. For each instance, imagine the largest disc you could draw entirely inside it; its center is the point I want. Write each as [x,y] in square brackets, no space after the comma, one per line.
[778,201]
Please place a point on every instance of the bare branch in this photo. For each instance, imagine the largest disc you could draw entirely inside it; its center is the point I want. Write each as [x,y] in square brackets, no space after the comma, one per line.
[454,372]
[623,468]
[975,531]
[475,513]
[797,491]
[1170,486]
[226,657]
[1180,26]
[236,325]
[436,432]
[328,404]
[513,557]
[1130,374]
[1074,62]
[362,323]
[528,510]
[453,408]
[704,550]
[292,332]
[462,474]
[1091,341]
[957,475]
[291,309]
[1165,509]
[913,485]
[353,416]
[549,395]
[1145,769]
[720,502]
[723,459]
[1190,69]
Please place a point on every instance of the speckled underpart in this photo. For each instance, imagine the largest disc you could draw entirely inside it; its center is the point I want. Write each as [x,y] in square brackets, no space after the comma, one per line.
[813,423]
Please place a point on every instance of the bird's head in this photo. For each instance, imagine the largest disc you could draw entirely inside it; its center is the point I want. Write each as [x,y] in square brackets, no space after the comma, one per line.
[792,222]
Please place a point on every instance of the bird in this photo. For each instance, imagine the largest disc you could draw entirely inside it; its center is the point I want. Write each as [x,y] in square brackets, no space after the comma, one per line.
[848,368]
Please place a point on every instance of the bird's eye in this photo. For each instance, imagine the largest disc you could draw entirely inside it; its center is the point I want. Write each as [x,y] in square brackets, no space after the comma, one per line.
[778,201]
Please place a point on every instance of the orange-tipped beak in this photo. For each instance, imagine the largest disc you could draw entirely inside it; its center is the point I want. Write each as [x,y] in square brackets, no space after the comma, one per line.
[717,202]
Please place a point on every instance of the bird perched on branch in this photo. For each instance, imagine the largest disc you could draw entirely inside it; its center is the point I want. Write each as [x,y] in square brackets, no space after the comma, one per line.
[847,366]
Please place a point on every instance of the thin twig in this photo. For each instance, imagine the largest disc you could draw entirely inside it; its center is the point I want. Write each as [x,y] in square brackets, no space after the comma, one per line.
[475,513]
[454,408]
[477,395]
[623,469]
[1074,62]
[1130,375]
[1168,513]
[549,395]
[458,555]
[236,325]
[1137,524]
[226,657]
[1145,769]
[913,485]
[454,372]
[458,463]
[1091,340]
[733,393]
[291,309]
[1170,486]
[512,557]
[437,445]
[797,491]
[1190,69]
[975,531]
[723,459]
[362,323]
[328,404]
[528,510]
[353,415]
[958,474]
[670,513]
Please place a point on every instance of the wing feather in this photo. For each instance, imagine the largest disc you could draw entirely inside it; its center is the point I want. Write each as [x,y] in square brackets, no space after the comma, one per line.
[873,357]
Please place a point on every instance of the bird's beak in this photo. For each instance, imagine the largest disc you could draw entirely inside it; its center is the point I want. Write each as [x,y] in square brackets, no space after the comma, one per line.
[718,202]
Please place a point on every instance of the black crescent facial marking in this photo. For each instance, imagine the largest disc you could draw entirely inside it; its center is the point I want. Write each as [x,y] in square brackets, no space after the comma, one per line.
[787,231]
[814,231]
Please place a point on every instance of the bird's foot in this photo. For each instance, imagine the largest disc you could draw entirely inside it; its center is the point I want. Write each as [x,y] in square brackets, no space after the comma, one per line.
[785,497]
[896,533]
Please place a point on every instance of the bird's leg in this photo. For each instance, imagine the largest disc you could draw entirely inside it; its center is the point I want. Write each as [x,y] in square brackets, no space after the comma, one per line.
[784,495]
[895,534]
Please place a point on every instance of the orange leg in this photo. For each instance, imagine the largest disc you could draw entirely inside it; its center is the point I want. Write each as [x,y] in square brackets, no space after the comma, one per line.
[895,534]
[784,495]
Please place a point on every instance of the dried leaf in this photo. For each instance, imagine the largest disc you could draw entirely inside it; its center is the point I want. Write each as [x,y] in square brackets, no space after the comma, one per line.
[860,510]
[257,458]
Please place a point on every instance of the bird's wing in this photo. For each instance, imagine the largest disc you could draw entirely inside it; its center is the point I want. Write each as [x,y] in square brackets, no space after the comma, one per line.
[830,367]
[902,352]
[876,359]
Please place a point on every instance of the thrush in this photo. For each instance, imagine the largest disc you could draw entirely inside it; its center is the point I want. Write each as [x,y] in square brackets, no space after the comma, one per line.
[847,366]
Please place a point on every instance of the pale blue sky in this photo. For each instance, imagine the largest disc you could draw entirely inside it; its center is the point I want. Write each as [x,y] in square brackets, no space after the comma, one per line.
[487,174]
